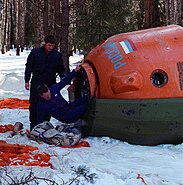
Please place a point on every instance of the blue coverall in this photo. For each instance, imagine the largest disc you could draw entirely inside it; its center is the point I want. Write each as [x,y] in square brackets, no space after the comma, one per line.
[58,107]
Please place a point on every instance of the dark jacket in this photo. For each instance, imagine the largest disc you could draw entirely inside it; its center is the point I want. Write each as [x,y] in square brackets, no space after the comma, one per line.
[44,67]
[57,106]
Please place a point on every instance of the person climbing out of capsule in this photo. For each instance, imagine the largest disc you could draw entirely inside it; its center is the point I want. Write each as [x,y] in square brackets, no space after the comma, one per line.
[67,113]
[53,103]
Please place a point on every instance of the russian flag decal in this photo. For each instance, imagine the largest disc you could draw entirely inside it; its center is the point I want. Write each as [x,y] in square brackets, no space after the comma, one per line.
[127,46]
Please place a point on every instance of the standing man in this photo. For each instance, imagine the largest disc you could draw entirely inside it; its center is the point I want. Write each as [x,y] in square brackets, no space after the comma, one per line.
[43,64]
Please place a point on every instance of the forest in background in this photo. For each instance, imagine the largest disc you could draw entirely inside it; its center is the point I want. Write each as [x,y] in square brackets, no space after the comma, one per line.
[79,24]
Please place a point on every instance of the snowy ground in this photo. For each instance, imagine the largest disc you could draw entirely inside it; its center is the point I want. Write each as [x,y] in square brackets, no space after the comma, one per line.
[114,162]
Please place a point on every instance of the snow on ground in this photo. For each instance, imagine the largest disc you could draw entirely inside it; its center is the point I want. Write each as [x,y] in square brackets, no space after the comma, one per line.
[114,162]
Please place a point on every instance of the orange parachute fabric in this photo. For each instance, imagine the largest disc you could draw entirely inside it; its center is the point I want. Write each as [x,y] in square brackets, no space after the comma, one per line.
[15,154]
[81,144]
[6,128]
[13,103]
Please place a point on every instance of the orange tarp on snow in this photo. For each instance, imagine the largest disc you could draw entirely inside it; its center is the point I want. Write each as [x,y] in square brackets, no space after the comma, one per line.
[13,103]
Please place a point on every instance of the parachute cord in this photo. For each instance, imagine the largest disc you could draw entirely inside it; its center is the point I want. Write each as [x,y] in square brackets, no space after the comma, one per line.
[140,177]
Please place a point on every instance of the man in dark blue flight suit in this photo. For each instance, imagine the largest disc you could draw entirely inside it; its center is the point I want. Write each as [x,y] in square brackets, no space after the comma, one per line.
[52,102]
[43,64]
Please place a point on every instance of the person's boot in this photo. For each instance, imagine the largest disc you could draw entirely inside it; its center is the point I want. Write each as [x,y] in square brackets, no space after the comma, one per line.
[17,127]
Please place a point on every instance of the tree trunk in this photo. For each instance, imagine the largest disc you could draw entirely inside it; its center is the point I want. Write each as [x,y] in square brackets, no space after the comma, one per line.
[15,21]
[64,32]
[148,4]
[4,26]
[22,25]
[45,17]
[18,29]
[57,22]
[181,13]
[36,28]
[1,9]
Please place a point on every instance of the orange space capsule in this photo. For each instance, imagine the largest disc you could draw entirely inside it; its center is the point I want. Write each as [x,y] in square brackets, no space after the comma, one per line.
[135,80]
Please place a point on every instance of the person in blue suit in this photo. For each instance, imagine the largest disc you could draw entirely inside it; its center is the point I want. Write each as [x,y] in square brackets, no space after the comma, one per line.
[53,103]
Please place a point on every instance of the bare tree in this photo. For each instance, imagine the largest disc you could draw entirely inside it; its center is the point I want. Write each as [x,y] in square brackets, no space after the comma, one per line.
[148,4]
[181,14]
[4,26]
[170,5]
[57,21]
[45,17]
[64,32]
[22,24]
[18,28]
[1,8]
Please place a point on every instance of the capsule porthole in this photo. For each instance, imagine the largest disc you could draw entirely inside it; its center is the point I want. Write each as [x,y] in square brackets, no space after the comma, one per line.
[159,78]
